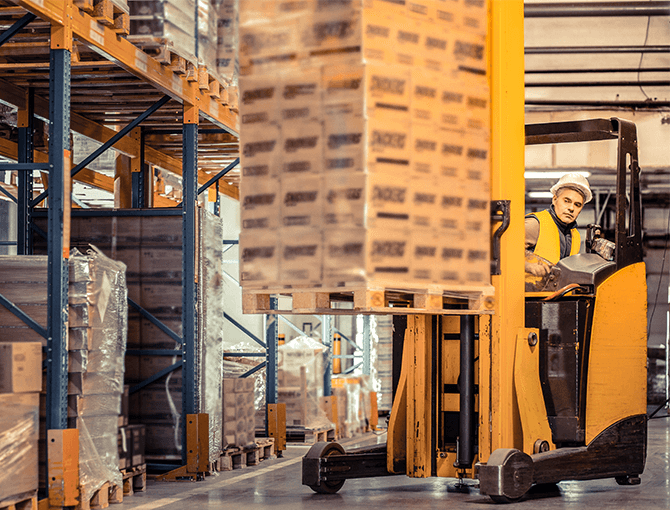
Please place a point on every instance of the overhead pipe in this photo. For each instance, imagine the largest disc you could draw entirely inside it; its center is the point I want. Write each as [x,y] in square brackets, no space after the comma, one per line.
[561,50]
[599,71]
[596,9]
[628,83]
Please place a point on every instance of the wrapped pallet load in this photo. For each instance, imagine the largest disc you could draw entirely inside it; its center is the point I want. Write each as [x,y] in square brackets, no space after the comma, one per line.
[20,384]
[365,145]
[300,378]
[98,329]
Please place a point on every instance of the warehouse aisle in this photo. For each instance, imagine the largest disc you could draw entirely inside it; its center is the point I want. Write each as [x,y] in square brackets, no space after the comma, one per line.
[276,484]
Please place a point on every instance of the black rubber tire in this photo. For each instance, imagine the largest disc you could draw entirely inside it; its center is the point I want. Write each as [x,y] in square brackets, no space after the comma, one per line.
[322,450]
[503,500]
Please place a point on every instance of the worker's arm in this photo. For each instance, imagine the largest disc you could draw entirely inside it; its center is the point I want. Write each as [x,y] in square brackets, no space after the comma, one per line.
[533,265]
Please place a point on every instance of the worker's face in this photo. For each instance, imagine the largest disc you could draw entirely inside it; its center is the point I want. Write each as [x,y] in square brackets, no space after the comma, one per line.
[568,204]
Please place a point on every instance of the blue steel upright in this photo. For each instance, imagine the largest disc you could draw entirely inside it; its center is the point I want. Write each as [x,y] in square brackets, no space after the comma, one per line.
[327,340]
[190,394]
[271,370]
[25,188]
[57,305]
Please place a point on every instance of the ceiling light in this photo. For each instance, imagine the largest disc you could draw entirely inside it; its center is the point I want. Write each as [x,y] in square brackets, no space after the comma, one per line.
[554,174]
[540,194]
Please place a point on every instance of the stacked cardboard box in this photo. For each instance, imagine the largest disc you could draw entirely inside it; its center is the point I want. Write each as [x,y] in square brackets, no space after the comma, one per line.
[20,384]
[97,344]
[238,411]
[365,143]
[227,63]
[131,446]
[172,21]
[151,248]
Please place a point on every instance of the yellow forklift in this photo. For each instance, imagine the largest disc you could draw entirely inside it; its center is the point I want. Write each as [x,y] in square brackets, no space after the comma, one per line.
[551,384]
[579,368]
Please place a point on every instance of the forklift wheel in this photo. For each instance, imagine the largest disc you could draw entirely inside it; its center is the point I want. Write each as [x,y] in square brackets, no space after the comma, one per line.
[320,451]
[504,499]
[628,480]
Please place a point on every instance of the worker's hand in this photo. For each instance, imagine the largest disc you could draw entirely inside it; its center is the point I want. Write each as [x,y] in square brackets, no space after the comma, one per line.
[537,269]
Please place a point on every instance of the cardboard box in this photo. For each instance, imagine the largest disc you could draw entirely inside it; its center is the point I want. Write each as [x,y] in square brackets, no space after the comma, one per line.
[344,199]
[301,256]
[302,148]
[334,30]
[452,158]
[20,367]
[259,101]
[344,141]
[302,202]
[260,151]
[388,92]
[344,255]
[424,259]
[388,147]
[425,104]
[300,99]
[426,157]
[388,201]
[451,211]
[259,258]
[452,259]
[424,206]
[260,203]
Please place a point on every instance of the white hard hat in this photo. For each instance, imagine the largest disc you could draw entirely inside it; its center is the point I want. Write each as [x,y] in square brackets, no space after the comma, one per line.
[576,181]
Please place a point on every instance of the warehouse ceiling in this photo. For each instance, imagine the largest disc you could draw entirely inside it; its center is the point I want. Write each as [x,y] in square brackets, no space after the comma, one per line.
[601,59]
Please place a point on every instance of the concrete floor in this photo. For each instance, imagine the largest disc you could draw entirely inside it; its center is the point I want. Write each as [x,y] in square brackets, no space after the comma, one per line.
[276,484]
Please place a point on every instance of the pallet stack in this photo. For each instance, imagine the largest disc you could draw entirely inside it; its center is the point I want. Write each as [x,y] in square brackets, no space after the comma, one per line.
[20,385]
[97,343]
[353,405]
[365,145]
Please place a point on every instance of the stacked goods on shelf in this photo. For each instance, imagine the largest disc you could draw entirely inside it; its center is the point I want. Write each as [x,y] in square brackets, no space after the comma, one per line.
[227,64]
[20,384]
[203,32]
[238,412]
[170,22]
[97,343]
[151,248]
[365,145]
[353,404]
[300,383]
[23,281]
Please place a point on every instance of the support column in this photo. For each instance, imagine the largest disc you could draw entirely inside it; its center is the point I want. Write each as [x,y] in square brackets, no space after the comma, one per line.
[367,343]
[271,369]
[58,221]
[499,415]
[327,340]
[25,122]
[190,393]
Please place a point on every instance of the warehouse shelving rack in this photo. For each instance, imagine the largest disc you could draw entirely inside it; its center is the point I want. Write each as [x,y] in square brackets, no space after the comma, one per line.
[96,78]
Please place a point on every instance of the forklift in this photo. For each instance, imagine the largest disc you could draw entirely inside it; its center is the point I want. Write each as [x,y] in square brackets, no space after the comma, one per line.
[563,397]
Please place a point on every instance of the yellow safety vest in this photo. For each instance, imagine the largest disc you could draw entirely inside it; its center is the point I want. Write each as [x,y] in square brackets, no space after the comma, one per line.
[548,244]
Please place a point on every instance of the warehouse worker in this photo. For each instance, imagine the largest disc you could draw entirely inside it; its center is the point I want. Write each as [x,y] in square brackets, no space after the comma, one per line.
[551,235]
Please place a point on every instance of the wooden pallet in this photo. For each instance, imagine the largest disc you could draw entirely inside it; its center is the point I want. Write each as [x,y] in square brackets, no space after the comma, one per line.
[304,435]
[21,502]
[366,300]
[100,498]
[163,50]
[134,480]
[108,13]
[238,458]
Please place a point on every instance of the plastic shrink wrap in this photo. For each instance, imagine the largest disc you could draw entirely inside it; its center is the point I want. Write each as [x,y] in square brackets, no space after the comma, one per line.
[300,374]
[98,328]
[19,422]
